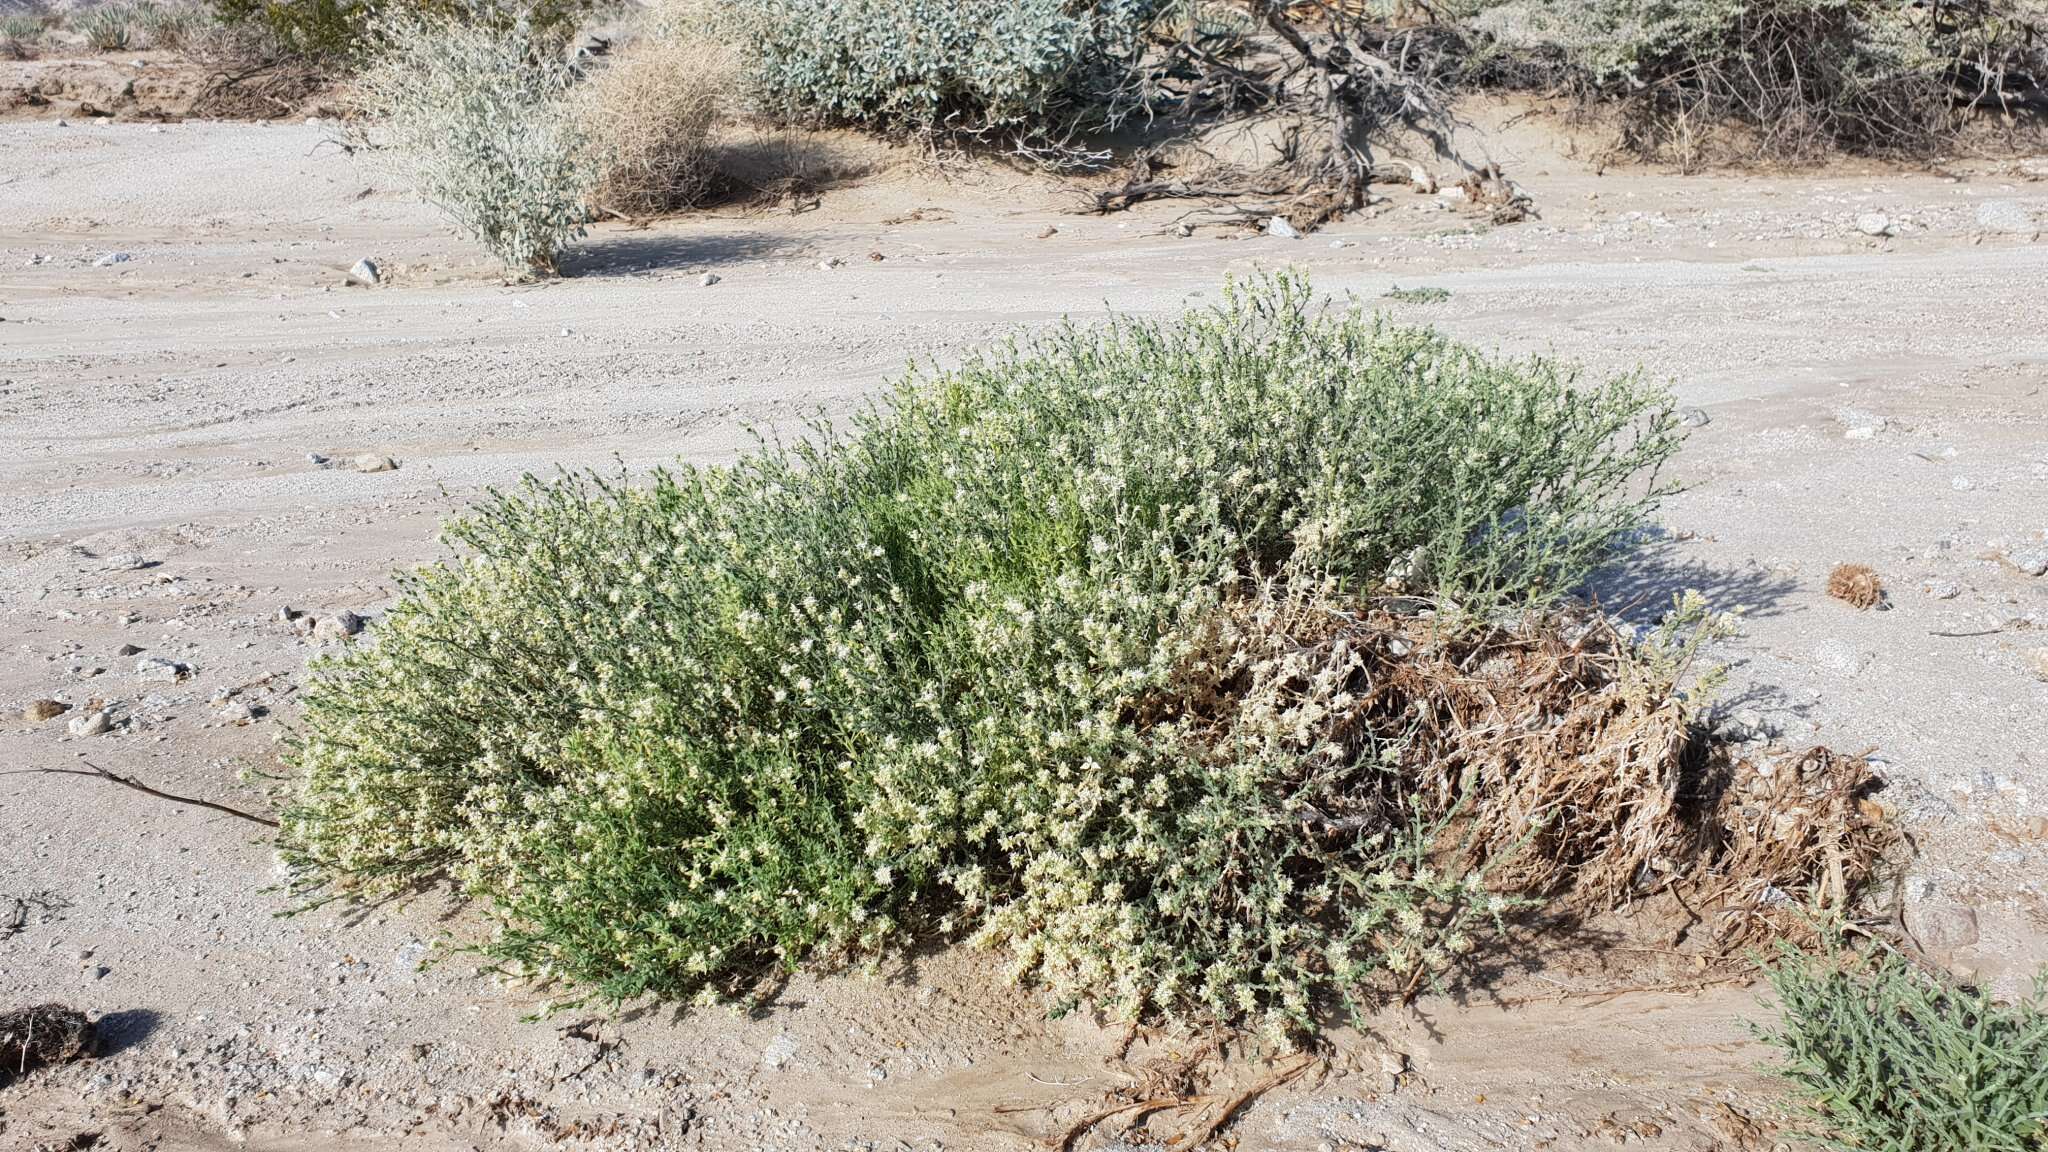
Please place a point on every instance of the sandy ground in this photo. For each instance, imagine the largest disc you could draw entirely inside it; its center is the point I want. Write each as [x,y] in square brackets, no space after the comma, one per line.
[1859,398]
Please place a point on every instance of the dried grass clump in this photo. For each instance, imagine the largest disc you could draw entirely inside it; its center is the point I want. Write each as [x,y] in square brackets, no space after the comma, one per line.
[46,1034]
[648,118]
[1856,584]
[1561,758]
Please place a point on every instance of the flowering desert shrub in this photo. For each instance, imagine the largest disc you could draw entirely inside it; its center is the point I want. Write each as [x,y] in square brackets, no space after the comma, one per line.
[1061,648]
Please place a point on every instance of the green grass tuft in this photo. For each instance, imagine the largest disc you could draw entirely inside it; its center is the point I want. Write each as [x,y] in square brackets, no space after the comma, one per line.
[1886,1057]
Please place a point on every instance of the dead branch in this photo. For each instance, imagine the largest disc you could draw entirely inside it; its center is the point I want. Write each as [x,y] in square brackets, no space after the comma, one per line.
[131,782]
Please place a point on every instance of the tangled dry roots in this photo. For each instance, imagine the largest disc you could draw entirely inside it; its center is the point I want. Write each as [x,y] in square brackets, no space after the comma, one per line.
[44,1034]
[1562,757]
[1856,584]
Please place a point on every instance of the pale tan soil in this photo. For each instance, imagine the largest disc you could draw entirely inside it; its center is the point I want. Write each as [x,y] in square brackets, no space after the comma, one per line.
[165,407]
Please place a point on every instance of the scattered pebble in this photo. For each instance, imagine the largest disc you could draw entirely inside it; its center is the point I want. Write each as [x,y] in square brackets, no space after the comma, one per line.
[2030,561]
[91,724]
[364,272]
[41,710]
[373,462]
[157,670]
[339,626]
[2008,216]
[779,1051]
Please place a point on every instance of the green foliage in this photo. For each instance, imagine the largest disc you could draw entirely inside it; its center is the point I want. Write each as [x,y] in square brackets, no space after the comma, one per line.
[107,28]
[342,32]
[20,33]
[1039,66]
[477,119]
[1887,1057]
[1006,658]
[1425,295]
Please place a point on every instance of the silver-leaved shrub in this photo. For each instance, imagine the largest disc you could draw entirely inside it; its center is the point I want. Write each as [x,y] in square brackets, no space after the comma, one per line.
[1039,66]
[1008,658]
[475,116]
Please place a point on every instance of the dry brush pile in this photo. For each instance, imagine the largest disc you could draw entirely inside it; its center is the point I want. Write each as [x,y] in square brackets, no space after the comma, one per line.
[1217,670]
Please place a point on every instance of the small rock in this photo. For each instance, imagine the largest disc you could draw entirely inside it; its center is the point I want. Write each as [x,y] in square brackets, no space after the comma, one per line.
[2037,663]
[1278,226]
[303,625]
[157,670]
[2030,561]
[2005,216]
[286,614]
[1695,418]
[364,272]
[1943,928]
[91,724]
[1340,244]
[1942,589]
[372,462]
[1840,657]
[41,710]
[339,626]
[830,262]
[237,713]
[316,459]
[1874,224]
[779,1051]
[110,259]
[127,650]
[1962,483]
[708,279]
[1184,229]
[124,562]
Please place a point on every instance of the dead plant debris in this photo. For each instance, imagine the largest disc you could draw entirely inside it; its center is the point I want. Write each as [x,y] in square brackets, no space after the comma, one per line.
[46,1034]
[1856,584]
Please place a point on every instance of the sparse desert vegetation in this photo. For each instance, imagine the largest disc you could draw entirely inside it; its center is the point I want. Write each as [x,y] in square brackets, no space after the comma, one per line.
[1336,729]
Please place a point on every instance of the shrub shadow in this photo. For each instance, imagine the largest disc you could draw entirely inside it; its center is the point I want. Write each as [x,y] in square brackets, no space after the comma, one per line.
[1638,587]
[626,251]
[119,1031]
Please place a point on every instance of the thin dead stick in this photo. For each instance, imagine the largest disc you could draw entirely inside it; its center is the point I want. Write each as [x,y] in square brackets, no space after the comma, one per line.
[1155,1104]
[131,782]
[1201,1136]
[1964,635]
[1601,994]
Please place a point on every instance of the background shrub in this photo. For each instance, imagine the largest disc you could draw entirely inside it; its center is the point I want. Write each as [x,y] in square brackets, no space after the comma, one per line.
[107,28]
[476,118]
[20,34]
[1800,78]
[1887,1057]
[1030,67]
[647,115]
[922,674]
[343,32]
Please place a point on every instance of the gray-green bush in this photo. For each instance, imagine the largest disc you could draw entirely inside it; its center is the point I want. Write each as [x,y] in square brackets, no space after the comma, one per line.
[920,674]
[1034,68]
[1884,1056]
[476,118]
